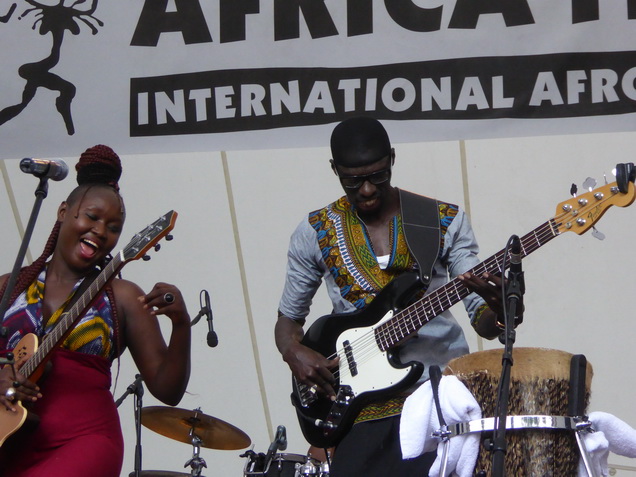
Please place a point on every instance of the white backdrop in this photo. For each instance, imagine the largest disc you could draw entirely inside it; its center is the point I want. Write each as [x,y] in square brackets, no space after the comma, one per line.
[237,210]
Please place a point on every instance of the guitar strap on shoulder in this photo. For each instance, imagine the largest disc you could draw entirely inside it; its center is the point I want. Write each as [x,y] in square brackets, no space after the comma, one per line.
[420,220]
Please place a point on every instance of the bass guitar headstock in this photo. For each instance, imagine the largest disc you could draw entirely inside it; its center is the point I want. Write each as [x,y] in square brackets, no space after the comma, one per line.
[581,212]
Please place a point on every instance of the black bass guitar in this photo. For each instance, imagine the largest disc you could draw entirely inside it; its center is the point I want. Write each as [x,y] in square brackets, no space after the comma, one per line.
[363,340]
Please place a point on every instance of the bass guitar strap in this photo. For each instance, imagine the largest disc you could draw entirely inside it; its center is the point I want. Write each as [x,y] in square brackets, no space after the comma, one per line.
[420,220]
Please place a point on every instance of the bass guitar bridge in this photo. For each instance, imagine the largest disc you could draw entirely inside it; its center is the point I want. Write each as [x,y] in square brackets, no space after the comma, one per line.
[344,397]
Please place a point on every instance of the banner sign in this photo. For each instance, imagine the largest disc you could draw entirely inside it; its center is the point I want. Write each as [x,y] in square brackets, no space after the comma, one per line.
[185,75]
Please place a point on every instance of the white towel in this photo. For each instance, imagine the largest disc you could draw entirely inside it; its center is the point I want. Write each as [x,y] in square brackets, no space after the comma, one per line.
[419,420]
[612,435]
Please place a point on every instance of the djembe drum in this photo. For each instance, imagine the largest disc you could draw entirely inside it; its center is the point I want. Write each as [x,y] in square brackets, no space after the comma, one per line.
[539,386]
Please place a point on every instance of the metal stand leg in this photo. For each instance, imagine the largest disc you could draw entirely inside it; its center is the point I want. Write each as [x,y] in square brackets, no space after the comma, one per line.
[444,434]
[197,463]
[581,427]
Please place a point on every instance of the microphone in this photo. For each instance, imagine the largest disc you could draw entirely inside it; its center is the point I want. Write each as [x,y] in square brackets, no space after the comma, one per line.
[515,255]
[279,443]
[212,338]
[517,286]
[55,169]
[281,437]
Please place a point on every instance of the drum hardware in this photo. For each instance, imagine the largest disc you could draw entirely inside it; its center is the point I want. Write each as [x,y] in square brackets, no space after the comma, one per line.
[312,468]
[308,468]
[283,465]
[196,462]
[159,473]
[442,433]
[578,425]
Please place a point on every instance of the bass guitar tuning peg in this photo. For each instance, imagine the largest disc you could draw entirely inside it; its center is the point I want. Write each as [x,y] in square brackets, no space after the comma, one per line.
[589,183]
[157,247]
[169,237]
[145,258]
[597,234]
[573,190]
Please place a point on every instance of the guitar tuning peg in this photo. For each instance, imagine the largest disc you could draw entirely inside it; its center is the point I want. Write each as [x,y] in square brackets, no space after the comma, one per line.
[589,183]
[597,234]
[169,237]
[157,247]
[573,190]
[145,258]
[605,179]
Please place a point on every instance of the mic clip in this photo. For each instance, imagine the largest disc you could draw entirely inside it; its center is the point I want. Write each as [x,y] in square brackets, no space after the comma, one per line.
[204,311]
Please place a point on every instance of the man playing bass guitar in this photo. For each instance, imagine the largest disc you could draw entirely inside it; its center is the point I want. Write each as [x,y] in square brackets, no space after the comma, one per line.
[358,246]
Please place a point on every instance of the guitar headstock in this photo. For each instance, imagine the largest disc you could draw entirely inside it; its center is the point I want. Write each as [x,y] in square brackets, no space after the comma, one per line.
[580,213]
[149,236]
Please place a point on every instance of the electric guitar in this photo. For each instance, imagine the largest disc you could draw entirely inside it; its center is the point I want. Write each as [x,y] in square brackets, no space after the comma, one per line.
[31,356]
[363,340]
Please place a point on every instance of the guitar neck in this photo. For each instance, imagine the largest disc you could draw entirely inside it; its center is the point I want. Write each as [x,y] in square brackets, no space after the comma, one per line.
[68,319]
[416,315]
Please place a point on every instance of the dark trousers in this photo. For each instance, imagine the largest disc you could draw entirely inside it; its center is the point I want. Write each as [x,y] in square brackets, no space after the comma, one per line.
[372,449]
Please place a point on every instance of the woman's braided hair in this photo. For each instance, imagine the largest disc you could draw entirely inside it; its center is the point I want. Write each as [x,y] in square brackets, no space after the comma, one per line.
[98,166]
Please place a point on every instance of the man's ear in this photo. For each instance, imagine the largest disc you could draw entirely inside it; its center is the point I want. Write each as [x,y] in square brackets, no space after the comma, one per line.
[333,166]
[392,156]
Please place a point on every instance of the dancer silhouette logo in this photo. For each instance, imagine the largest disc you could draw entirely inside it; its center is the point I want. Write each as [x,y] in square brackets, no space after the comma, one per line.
[55,20]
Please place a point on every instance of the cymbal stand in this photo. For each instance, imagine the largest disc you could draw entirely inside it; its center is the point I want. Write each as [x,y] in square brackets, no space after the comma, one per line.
[197,463]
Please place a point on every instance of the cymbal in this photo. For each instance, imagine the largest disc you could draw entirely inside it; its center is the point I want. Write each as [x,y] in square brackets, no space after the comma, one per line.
[180,424]
[159,473]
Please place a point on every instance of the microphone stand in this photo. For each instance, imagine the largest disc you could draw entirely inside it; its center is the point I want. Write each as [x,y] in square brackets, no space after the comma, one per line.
[514,293]
[41,192]
[136,388]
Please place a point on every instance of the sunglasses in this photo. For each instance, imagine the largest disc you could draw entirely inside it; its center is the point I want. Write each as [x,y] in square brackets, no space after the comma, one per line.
[375,178]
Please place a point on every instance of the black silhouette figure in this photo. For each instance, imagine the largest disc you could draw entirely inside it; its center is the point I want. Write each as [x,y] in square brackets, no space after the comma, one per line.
[5,18]
[56,20]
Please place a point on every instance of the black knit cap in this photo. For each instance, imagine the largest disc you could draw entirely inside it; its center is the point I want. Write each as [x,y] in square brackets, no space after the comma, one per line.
[359,141]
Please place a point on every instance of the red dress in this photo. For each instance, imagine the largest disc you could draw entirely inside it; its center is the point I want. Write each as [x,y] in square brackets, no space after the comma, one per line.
[79,433]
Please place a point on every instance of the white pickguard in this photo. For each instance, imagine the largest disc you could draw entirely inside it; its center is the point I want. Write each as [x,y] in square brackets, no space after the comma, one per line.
[374,372]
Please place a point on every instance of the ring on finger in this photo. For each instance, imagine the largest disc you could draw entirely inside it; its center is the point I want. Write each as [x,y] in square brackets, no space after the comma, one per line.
[10,394]
[168,297]
[16,384]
